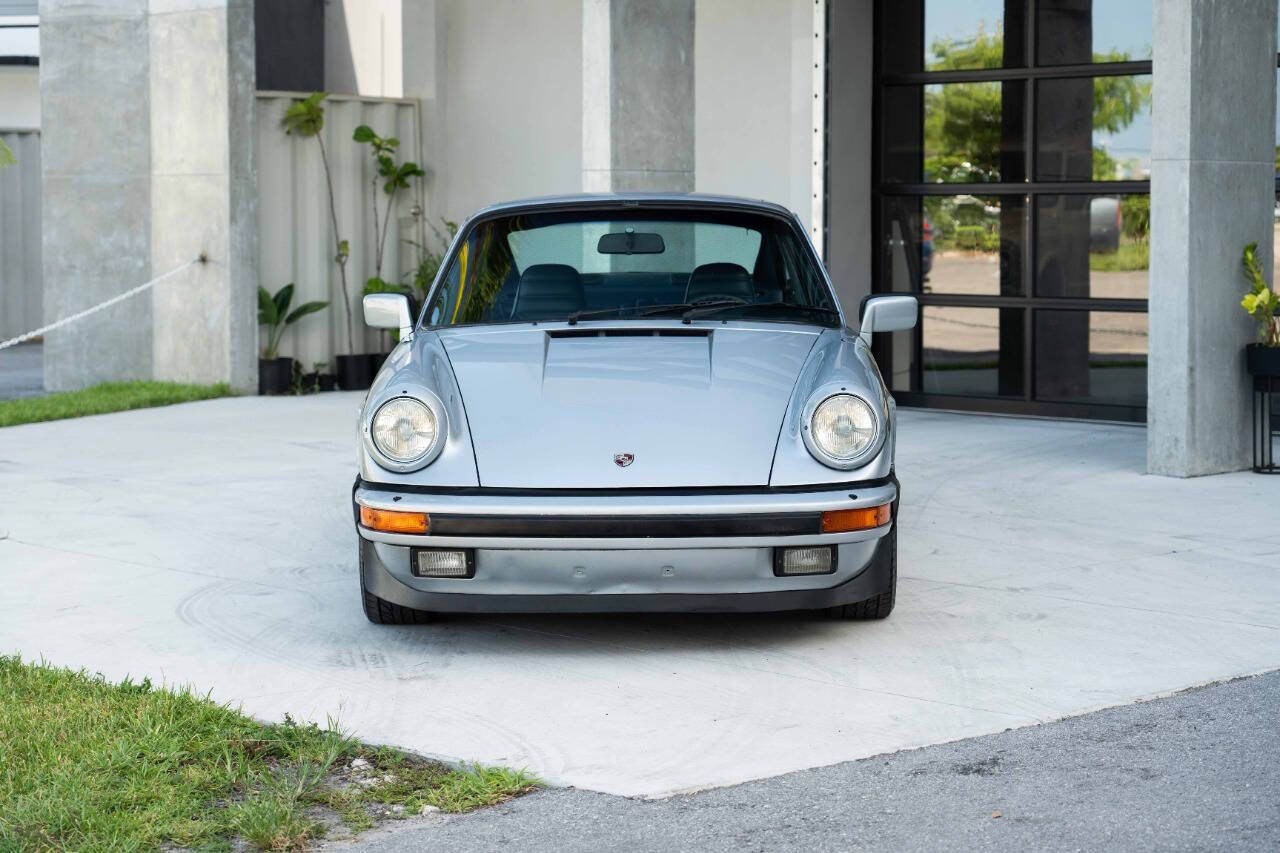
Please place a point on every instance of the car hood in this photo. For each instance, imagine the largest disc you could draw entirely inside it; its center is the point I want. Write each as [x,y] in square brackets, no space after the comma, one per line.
[691,406]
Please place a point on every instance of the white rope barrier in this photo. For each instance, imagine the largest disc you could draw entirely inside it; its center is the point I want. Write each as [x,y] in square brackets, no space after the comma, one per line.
[100,306]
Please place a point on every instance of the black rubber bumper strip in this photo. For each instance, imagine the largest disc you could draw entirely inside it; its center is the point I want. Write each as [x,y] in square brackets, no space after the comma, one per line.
[627,526]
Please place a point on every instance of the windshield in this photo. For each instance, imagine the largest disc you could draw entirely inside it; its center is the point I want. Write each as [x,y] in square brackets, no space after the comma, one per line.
[591,265]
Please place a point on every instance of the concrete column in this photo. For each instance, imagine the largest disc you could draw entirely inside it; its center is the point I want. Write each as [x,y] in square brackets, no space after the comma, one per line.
[96,187]
[148,110]
[203,191]
[650,105]
[1212,191]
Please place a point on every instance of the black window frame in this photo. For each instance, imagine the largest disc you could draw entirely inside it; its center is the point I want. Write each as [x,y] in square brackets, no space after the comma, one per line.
[1031,190]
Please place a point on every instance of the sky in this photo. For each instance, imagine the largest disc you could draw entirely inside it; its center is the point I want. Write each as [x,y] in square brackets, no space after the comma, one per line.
[1117,24]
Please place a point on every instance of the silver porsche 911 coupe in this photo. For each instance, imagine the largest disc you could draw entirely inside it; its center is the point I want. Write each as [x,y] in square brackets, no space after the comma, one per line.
[629,403]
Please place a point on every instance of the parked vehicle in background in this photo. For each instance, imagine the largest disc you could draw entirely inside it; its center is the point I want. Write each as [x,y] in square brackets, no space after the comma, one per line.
[631,402]
[1106,224]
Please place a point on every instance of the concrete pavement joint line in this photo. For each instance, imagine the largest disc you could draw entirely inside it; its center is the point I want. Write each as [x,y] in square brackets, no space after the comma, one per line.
[155,569]
[1031,592]
[775,673]
[151,570]
[1057,570]
[1139,555]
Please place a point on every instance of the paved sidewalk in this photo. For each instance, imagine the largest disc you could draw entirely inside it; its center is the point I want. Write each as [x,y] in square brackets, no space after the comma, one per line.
[1196,771]
[1043,574]
[22,371]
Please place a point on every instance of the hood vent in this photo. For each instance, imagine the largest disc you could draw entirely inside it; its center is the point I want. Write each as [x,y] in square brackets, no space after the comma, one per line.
[625,332]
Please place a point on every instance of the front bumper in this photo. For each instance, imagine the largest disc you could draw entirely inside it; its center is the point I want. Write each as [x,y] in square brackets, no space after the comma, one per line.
[708,550]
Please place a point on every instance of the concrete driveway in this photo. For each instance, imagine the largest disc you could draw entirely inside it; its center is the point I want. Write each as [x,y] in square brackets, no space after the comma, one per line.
[1043,575]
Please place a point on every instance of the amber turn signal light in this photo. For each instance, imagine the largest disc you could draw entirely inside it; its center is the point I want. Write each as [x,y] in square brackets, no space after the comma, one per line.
[848,520]
[391,521]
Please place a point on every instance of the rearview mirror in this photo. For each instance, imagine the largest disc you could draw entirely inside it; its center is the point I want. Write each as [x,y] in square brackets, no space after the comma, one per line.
[388,311]
[887,314]
[631,243]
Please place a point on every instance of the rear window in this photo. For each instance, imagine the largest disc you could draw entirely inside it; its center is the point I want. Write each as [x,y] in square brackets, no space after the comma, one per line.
[593,265]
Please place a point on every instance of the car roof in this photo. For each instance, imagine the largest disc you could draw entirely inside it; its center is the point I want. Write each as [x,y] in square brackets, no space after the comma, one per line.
[637,199]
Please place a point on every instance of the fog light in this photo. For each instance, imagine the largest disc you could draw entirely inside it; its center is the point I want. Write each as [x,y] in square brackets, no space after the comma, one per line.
[394,521]
[438,563]
[811,560]
[848,520]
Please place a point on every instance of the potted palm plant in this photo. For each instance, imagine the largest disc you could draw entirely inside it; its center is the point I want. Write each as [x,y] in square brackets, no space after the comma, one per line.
[1263,304]
[393,177]
[275,374]
[305,118]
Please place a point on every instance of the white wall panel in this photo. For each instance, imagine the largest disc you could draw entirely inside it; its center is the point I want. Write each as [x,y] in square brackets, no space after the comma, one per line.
[500,83]
[20,273]
[754,90]
[295,238]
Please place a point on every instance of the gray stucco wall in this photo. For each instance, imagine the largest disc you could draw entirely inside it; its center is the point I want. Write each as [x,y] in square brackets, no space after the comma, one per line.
[612,95]
[755,65]
[20,274]
[95,79]
[148,162]
[652,104]
[205,320]
[1212,191]
[500,86]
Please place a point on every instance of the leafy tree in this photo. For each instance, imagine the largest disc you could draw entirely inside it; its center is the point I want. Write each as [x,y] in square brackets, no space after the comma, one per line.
[962,128]
[1135,212]
[6,155]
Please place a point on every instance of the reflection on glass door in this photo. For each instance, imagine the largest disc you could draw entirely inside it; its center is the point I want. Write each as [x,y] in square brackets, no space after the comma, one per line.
[1013,161]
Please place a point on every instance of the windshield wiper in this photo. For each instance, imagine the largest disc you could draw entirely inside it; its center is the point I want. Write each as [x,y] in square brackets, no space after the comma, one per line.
[642,311]
[716,307]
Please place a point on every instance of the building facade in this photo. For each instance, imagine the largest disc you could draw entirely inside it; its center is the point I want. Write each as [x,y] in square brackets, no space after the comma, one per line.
[20,291]
[1066,185]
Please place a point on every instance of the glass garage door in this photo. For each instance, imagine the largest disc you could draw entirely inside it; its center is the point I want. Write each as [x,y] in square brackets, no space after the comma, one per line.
[1012,163]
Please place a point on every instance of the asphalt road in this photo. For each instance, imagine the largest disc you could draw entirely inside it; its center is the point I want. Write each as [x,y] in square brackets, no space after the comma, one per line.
[1196,771]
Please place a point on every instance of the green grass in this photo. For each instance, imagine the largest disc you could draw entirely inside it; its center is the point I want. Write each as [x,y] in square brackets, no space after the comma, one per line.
[1129,257]
[104,398]
[90,765]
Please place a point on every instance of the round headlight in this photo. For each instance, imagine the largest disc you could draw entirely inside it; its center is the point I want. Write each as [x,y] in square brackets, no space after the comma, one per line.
[843,427]
[404,429]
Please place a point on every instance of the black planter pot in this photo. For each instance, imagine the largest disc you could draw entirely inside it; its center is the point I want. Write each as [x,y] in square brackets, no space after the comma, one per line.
[275,375]
[1262,361]
[356,372]
[318,382]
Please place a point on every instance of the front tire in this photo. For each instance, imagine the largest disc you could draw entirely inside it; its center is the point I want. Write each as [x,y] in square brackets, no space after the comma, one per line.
[878,606]
[379,611]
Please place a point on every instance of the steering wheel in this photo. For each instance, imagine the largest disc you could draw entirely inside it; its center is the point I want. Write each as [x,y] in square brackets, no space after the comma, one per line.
[727,297]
